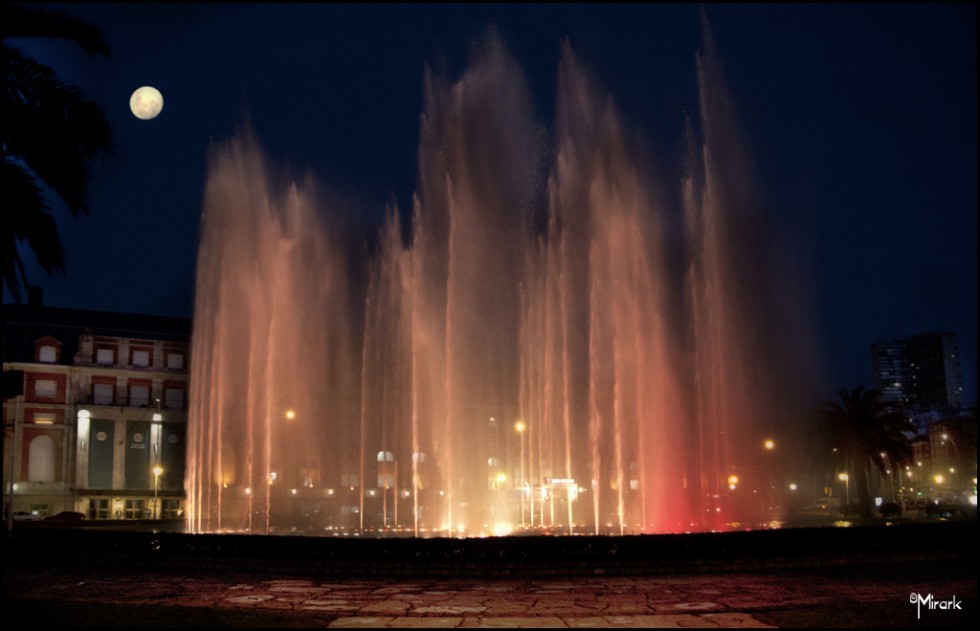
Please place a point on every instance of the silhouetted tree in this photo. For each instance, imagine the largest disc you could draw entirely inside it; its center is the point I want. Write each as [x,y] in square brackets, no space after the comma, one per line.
[867,431]
[50,132]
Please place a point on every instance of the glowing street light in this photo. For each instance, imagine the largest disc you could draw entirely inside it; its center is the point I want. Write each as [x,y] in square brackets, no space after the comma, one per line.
[157,471]
[843,477]
[519,427]
[773,472]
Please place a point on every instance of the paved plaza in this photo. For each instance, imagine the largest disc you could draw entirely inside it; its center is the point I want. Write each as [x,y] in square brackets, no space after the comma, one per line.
[101,576]
[866,596]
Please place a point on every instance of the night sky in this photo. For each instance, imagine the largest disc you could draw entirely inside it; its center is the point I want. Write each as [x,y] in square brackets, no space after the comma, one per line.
[862,119]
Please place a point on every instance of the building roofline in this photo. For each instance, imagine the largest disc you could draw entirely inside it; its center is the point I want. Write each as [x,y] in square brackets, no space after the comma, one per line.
[118,324]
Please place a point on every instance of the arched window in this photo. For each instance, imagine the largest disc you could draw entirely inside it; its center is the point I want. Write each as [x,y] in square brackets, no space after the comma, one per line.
[40,463]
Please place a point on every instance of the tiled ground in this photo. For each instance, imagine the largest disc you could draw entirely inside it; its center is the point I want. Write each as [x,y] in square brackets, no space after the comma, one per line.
[838,597]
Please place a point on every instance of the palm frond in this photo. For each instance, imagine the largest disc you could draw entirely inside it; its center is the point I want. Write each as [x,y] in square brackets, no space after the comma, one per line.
[26,219]
[50,133]
[28,21]
[868,430]
[52,127]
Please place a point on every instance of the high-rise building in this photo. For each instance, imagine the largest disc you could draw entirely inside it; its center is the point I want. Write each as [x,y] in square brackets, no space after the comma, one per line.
[920,373]
[893,372]
[936,367]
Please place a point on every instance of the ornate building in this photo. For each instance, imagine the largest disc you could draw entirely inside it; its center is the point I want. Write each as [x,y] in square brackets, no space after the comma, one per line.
[94,412]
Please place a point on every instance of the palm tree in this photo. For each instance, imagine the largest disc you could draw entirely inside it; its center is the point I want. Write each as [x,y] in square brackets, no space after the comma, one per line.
[866,430]
[50,132]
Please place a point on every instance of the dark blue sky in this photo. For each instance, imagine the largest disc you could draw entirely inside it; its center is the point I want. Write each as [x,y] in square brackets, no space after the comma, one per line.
[862,118]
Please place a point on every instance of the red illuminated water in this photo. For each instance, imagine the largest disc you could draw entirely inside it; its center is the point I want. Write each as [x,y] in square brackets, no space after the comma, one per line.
[579,348]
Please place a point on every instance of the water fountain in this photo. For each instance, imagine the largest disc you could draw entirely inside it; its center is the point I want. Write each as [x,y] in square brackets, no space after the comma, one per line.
[572,353]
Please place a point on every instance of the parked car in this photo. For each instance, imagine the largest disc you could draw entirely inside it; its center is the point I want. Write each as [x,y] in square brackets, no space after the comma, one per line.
[23,515]
[66,516]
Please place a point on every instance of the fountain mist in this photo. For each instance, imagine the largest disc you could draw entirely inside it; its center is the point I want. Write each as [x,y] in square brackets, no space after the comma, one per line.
[533,356]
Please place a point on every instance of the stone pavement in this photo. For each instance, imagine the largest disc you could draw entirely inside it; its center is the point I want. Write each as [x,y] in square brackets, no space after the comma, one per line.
[865,596]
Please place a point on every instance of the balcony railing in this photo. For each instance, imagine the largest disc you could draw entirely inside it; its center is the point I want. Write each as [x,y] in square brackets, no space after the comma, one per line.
[125,402]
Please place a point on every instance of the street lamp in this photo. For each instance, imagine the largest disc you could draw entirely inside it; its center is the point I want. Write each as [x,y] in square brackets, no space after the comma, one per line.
[519,426]
[157,470]
[843,477]
[732,482]
[956,451]
[772,472]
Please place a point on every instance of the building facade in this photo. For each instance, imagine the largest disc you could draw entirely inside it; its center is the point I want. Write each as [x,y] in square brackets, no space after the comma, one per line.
[921,376]
[892,369]
[94,412]
[919,373]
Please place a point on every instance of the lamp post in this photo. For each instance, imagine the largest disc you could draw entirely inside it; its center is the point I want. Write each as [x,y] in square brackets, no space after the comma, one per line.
[772,473]
[955,457]
[889,464]
[519,426]
[843,477]
[157,470]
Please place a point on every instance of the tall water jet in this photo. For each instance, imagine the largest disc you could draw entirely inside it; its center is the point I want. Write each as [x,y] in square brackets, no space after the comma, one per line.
[738,319]
[601,386]
[458,294]
[531,354]
[272,369]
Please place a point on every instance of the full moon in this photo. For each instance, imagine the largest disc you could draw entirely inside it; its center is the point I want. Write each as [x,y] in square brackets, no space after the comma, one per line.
[146,102]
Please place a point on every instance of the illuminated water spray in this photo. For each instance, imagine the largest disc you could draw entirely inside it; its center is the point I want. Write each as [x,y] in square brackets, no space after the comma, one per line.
[559,348]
